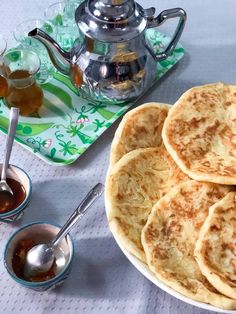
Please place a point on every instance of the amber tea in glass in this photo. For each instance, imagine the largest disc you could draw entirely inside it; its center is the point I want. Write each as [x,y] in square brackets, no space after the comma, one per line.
[20,68]
[3,86]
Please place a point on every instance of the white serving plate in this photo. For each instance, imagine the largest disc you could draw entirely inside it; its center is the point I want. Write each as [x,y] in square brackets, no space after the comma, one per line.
[143,269]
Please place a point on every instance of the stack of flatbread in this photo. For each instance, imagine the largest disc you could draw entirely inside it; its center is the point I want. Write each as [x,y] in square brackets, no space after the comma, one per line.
[170,194]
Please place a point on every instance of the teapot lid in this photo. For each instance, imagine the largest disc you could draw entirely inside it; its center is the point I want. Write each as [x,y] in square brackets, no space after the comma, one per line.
[110,20]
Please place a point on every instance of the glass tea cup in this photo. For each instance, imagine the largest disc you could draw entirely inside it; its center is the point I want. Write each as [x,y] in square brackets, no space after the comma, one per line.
[20,68]
[3,82]
[70,7]
[61,16]
[20,33]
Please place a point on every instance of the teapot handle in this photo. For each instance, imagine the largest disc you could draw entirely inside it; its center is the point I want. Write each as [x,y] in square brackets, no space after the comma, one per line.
[159,20]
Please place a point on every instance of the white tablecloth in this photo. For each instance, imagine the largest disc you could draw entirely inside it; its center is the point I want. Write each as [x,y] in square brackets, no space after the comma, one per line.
[102,279]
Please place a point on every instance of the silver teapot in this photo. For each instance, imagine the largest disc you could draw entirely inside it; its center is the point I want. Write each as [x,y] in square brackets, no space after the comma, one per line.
[115,62]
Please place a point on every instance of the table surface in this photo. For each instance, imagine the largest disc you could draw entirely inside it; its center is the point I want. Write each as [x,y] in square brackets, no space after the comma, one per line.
[102,279]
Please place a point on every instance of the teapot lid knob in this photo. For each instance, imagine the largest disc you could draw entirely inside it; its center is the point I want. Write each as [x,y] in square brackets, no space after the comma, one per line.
[110,20]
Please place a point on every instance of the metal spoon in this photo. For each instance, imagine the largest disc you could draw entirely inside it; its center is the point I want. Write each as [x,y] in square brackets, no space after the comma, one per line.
[6,193]
[40,258]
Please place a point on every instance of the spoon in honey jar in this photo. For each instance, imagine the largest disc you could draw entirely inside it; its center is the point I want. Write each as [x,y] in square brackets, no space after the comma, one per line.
[6,194]
[41,257]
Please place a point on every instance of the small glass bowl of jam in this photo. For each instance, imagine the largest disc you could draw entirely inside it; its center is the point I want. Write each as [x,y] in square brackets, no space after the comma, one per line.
[23,240]
[21,185]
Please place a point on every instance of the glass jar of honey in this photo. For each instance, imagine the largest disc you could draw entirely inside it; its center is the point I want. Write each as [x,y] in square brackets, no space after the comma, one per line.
[20,68]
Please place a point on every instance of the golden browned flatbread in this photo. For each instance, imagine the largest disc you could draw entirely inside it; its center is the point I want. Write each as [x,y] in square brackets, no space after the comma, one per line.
[200,133]
[133,185]
[170,235]
[216,247]
[139,128]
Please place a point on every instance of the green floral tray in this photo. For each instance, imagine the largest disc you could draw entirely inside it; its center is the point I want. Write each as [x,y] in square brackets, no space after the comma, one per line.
[68,123]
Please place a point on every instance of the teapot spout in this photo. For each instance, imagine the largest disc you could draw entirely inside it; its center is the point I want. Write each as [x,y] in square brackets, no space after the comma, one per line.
[59,57]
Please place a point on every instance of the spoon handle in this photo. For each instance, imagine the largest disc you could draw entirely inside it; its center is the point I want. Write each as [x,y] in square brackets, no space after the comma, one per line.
[14,114]
[88,201]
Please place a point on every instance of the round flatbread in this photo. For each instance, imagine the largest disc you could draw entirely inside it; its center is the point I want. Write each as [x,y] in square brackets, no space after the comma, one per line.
[133,185]
[216,247]
[139,128]
[200,133]
[170,235]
